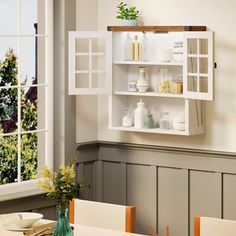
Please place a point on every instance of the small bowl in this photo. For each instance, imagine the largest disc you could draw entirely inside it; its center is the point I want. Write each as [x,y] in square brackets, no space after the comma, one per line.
[25,219]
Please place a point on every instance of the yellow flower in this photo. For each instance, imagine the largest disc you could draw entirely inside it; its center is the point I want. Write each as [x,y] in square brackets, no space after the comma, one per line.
[46,185]
[47,173]
[68,172]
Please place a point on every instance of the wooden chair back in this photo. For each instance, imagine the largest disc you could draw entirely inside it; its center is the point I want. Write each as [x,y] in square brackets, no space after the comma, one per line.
[208,226]
[103,215]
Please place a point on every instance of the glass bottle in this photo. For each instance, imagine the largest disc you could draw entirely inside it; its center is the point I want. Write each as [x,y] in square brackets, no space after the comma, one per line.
[128,48]
[139,115]
[164,120]
[145,48]
[63,227]
[149,121]
[136,49]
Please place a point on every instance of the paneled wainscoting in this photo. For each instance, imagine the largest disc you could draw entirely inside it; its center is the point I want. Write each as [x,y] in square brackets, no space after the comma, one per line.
[169,186]
[38,203]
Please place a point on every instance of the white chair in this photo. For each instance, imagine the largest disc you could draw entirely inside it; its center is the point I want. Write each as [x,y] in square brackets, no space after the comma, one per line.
[208,226]
[103,215]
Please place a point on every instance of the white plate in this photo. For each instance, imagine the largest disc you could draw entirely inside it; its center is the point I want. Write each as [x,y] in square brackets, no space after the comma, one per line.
[12,227]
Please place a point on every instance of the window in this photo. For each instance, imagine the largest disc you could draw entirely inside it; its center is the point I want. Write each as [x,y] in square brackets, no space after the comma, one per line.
[25,91]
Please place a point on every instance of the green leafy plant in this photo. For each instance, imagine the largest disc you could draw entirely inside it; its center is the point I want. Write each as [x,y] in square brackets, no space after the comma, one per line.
[60,186]
[127,13]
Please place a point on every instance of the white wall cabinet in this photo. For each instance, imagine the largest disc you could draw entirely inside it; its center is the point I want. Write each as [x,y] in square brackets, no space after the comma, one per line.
[98,64]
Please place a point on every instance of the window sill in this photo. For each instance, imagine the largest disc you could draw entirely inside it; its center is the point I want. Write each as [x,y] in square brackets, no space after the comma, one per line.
[19,190]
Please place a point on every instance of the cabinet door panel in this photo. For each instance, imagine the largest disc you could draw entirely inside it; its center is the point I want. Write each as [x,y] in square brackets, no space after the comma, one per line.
[141,192]
[229,196]
[114,183]
[205,195]
[173,201]
[198,65]
[90,62]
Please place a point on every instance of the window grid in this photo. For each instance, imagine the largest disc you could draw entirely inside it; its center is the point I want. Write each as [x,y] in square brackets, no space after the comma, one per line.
[19,86]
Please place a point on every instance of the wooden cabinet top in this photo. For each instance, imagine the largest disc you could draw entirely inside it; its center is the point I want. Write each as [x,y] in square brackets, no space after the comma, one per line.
[172,28]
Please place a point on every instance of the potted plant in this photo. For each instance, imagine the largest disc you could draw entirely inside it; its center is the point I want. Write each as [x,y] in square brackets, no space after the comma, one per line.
[128,15]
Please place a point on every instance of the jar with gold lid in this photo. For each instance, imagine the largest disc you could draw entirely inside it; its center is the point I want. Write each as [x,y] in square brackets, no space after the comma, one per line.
[177,85]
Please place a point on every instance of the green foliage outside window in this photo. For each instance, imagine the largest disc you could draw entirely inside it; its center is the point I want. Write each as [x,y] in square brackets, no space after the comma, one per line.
[9,109]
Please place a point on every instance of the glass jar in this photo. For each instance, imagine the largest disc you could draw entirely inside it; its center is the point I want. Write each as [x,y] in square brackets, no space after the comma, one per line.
[177,85]
[127,119]
[164,120]
[164,85]
[133,86]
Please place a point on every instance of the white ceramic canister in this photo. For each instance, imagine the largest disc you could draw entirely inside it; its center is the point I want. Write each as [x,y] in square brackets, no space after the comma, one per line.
[166,54]
[139,115]
[142,83]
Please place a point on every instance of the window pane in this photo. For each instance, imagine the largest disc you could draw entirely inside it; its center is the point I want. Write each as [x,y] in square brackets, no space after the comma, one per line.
[32,108]
[27,60]
[8,159]
[8,110]
[6,45]
[192,65]
[8,16]
[192,83]
[192,46]
[29,155]
[28,16]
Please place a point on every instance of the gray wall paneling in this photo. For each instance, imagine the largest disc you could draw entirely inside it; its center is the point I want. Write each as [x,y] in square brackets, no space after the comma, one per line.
[38,203]
[173,201]
[169,186]
[114,178]
[141,192]
[229,196]
[205,195]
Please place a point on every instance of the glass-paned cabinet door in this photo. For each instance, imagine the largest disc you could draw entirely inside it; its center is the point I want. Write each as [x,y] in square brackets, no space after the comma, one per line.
[198,65]
[90,62]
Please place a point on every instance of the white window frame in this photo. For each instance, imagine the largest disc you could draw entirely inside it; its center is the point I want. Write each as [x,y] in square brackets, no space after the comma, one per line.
[30,187]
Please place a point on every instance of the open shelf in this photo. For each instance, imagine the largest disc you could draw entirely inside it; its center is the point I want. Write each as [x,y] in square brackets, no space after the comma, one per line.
[149,94]
[157,63]
[160,28]
[154,130]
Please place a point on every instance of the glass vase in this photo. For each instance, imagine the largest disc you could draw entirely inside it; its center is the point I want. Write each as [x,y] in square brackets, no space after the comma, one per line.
[63,227]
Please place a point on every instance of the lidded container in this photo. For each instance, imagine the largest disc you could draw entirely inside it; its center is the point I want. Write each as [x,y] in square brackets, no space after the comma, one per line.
[127,119]
[164,120]
[165,78]
[139,115]
[177,85]
[142,83]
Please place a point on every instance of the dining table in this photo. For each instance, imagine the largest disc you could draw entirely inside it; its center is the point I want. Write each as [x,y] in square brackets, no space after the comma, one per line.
[79,230]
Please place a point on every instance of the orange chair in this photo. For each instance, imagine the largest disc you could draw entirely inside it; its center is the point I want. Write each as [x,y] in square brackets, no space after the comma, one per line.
[104,215]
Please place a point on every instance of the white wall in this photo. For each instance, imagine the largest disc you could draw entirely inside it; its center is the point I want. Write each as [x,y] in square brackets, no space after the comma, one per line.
[219,16]
[86,106]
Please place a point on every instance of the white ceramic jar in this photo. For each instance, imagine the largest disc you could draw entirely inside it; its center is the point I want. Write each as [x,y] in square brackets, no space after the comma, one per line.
[139,115]
[142,83]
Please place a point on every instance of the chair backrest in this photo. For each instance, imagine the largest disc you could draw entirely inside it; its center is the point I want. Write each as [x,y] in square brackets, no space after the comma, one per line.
[102,215]
[208,226]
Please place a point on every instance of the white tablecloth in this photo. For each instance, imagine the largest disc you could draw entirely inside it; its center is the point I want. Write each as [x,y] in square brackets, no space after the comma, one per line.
[79,230]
